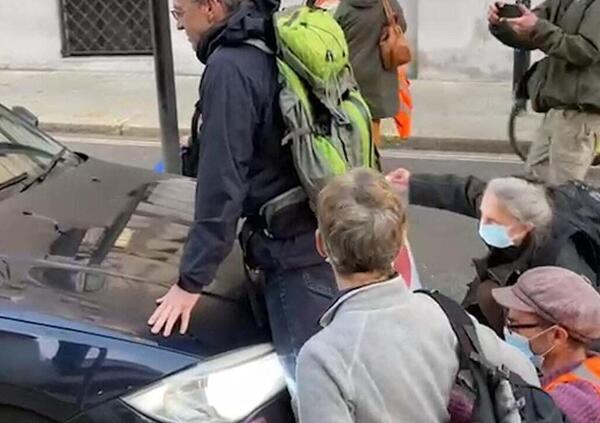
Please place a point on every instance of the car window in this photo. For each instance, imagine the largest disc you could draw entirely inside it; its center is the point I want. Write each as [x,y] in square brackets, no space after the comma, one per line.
[16,131]
[23,149]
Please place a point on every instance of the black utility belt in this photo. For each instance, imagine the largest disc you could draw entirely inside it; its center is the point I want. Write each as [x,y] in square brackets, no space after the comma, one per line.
[286,215]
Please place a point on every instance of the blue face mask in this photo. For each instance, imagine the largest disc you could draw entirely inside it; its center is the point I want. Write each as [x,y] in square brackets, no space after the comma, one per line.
[519,342]
[522,344]
[495,235]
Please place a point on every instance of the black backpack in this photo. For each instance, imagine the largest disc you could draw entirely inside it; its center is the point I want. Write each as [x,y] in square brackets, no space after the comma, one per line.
[576,208]
[498,395]
[577,216]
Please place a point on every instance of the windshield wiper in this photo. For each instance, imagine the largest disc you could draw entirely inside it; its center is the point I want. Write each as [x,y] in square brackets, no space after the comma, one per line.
[42,176]
[14,180]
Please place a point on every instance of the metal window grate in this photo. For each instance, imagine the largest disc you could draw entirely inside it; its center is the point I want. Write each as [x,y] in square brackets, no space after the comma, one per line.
[105,27]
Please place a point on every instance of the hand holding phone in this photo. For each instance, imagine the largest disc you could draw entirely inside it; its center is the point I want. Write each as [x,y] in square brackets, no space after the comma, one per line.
[509,11]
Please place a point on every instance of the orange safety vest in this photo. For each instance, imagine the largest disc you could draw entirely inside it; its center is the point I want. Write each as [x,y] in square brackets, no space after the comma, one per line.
[588,371]
[403,118]
[327,4]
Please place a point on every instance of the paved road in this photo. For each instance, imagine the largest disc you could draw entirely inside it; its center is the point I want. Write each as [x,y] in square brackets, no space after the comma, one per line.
[443,243]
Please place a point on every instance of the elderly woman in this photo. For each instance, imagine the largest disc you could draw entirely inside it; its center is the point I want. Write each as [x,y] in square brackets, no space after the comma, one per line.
[517,223]
[385,354]
[553,316]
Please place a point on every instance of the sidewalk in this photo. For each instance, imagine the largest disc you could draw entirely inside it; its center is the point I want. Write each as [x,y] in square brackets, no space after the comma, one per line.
[460,116]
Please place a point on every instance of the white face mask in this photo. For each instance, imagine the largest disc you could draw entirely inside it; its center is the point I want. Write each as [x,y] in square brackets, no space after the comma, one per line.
[523,344]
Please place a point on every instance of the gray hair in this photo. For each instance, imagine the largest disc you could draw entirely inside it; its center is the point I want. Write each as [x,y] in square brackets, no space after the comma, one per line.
[230,5]
[361,219]
[525,200]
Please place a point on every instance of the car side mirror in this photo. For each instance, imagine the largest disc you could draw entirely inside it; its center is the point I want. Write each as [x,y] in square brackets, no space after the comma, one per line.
[26,115]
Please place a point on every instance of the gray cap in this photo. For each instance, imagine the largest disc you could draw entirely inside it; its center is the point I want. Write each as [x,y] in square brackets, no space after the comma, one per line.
[558,296]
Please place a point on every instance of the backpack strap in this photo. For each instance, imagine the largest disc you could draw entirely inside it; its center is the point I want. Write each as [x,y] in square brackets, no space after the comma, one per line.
[259,44]
[462,325]
[470,355]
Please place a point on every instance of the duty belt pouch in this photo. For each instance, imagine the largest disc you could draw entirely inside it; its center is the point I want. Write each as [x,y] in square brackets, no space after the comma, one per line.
[191,153]
[288,214]
[255,277]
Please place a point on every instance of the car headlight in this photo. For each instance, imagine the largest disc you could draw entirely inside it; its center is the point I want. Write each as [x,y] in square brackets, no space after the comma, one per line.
[224,390]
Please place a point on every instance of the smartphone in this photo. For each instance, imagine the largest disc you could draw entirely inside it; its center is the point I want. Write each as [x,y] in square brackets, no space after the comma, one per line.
[510,11]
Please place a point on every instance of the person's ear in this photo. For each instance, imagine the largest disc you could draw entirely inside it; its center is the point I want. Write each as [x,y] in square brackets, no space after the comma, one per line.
[320,244]
[214,10]
[560,336]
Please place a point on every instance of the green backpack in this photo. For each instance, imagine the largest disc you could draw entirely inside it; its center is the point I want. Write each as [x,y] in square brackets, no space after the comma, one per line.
[328,122]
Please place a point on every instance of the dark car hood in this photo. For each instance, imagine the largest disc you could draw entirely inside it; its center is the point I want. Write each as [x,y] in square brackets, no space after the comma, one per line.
[94,246]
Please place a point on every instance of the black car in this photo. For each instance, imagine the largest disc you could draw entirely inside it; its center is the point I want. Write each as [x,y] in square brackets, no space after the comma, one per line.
[86,247]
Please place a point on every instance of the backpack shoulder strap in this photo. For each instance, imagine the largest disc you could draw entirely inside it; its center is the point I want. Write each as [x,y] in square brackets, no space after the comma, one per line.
[259,44]
[470,356]
[461,324]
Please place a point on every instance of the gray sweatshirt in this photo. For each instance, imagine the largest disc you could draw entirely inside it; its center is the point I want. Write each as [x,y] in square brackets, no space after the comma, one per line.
[388,355]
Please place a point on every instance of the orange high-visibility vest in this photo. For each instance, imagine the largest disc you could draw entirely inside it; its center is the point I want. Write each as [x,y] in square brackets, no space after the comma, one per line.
[403,118]
[588,371]
[327,4]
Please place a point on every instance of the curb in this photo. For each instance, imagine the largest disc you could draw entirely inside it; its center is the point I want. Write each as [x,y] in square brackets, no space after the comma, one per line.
[453,144]
[449,144]
[105,129]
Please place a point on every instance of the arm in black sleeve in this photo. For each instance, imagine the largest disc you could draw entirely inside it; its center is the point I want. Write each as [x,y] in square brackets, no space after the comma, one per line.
[226,146]
[569,258]
[447,192]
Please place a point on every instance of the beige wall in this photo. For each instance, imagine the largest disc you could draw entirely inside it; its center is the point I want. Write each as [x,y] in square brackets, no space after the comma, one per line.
[450,37]
[30,38]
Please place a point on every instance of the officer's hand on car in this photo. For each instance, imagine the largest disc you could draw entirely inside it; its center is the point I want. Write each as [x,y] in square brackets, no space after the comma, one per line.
[177,304]
[399,178]
[525,24]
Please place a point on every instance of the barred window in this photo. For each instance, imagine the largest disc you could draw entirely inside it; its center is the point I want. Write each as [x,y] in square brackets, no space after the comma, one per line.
[106,27]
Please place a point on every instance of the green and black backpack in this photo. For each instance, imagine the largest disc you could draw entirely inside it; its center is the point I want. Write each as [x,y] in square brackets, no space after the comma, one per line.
[328,121]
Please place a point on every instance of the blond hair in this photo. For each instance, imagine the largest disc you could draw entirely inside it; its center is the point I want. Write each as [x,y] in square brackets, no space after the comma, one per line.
[361,219]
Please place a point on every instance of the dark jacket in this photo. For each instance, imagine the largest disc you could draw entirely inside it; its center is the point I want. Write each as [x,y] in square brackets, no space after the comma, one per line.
[569,78]
[362,21]
[503,266]
[241,162]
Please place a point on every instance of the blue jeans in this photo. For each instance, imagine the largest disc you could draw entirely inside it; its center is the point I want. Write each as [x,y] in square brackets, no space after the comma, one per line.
[299,286]
[295,300]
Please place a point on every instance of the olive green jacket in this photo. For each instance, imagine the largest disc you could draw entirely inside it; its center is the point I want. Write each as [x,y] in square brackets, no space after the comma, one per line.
[362,22]
[568,31]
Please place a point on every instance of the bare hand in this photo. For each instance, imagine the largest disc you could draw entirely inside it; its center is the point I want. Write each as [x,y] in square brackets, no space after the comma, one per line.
[176,304]
[525,24]
[494,13]
[399,178]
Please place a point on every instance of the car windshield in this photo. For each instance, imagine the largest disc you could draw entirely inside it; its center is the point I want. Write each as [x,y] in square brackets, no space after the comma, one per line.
[23,148]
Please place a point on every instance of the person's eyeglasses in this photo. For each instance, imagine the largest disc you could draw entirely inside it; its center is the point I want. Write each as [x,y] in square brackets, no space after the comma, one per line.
[177,15]
[517,326]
